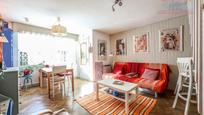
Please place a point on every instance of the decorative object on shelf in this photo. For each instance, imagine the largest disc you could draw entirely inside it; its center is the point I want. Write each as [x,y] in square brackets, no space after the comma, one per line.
[102,49]
[140,43]
[171,39]
[121,47]
[119,2]
[23,58]
[83,53]
[58,29]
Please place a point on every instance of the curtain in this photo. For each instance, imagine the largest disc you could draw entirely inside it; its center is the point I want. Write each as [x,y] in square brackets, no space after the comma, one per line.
[34,48]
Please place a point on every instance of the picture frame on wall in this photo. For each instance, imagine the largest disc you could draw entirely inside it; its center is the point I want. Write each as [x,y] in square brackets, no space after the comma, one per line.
[102,49]
[171,39]
[83,53]
[121,47]
[141,43]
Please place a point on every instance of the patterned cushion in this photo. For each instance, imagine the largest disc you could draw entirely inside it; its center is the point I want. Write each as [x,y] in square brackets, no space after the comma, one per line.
[150,74]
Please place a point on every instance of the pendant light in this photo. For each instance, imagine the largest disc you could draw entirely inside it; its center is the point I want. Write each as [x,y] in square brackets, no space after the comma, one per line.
[58,29]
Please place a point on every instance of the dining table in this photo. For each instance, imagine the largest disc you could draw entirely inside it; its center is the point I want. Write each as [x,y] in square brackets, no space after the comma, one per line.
[48,71]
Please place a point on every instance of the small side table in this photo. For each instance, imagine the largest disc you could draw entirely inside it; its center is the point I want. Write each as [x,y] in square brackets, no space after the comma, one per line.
[5,105]
[107,68]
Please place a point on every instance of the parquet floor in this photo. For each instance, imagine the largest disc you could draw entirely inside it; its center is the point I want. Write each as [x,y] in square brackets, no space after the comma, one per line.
[36,99]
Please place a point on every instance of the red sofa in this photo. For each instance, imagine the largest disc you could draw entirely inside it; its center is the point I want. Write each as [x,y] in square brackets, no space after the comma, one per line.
[121,69]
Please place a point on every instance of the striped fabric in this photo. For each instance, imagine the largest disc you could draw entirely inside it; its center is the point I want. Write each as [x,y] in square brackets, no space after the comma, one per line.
[108,105]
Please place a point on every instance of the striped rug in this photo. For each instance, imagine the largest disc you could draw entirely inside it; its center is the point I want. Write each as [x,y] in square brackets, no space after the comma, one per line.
[108,105]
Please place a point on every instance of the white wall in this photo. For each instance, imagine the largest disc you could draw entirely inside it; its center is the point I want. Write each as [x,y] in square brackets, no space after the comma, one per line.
[86,70]
[154,55]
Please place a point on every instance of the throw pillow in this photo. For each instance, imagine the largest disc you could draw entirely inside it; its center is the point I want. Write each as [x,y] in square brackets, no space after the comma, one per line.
[26,72]
[150,74]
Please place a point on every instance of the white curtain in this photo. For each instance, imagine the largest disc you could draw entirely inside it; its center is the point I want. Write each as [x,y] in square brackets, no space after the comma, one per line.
[48,49]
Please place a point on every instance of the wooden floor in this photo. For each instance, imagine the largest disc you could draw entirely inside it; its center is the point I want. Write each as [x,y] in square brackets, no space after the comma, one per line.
[36,99]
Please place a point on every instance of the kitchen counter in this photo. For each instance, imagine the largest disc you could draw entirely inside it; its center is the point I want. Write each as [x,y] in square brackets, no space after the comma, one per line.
[11,69]
[9,87]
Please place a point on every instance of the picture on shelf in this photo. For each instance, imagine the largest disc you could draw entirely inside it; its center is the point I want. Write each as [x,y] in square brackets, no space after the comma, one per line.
[121,47]
[102,49]
[140,43]
[171,39]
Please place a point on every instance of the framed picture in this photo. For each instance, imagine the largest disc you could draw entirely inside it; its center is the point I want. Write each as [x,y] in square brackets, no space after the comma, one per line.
[121,47]
[83,53]
[171,39]
[102,49]
[140,43]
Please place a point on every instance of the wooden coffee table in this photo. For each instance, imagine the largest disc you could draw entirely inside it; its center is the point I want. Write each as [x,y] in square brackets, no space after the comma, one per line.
[126,88]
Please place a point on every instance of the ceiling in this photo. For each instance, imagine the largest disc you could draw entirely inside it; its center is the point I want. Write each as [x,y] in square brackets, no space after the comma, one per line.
[92,14]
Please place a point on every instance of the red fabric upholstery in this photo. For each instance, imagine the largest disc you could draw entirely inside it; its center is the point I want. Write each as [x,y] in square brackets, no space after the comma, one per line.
[122,68]
[118,68]
[145,83]
[126,68]
[134,67]
[158,85]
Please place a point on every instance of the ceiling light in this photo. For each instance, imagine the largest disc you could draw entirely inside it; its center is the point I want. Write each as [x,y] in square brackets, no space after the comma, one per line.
[119,2]
[58,29]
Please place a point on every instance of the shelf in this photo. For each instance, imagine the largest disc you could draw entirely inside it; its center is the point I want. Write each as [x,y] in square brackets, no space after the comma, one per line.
[131,95]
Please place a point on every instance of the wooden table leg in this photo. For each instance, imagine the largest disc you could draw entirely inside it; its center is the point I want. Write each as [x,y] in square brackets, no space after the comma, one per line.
[126,103]
[97,88]
[41,79]
[72,83]
[48,80]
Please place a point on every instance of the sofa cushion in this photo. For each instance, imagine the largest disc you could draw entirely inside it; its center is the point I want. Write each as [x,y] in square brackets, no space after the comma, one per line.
[148,84]
[121,77]
[134,80]
[150,74]
[132,74]
[118,68]
[126,68]
[134,67]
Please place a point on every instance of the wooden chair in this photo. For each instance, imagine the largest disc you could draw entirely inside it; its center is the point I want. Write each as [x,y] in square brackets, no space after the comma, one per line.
[186,79]
[58,79]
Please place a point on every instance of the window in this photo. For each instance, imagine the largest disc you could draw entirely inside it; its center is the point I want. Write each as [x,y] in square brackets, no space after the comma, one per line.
[38,48]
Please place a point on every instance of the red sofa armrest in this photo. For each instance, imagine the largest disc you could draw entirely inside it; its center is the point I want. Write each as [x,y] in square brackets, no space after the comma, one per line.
[160,86]
[162,83]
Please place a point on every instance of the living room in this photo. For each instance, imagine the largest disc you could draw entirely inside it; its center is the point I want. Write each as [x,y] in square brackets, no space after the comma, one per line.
[101,57]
